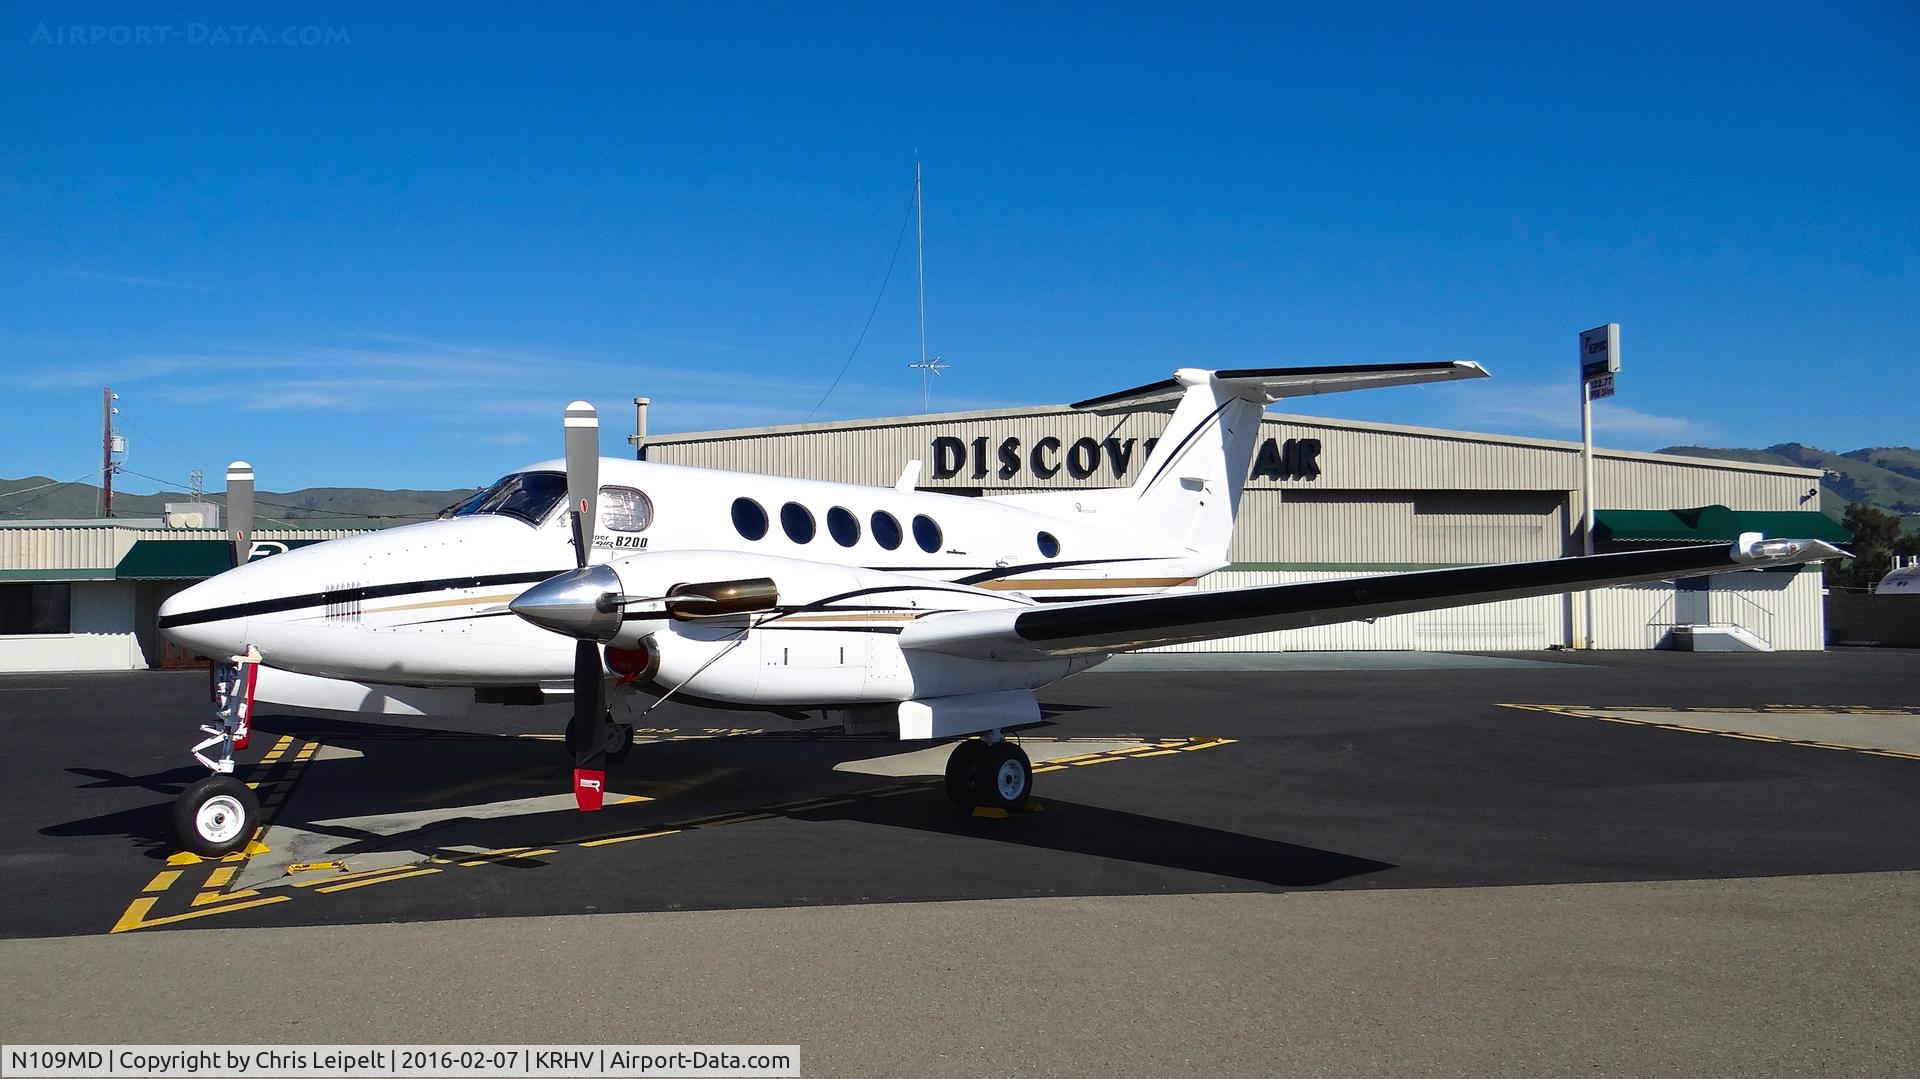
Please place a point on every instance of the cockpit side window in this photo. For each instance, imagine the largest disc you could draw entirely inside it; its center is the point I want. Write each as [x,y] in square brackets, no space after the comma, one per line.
[530,496]
[625,509]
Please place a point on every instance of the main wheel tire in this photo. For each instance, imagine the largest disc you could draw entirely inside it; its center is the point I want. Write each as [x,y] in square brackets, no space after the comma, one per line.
[619,742]
[963,770]
[215,816]
[1005,778]
[619,738]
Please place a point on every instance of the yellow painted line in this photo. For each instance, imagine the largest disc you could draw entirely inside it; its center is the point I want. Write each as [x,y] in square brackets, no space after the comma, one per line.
[1098,760]
[136,915]
[1132,750]
[1893,753]
[1749,737]
[1070,760]
[378,880]
[630,799]
[752,816]
[610,840]
[1155,753]
[220,876]
[1053,767]
[204,898]
[827,803]
[162,880]
[495,857]
[307,751]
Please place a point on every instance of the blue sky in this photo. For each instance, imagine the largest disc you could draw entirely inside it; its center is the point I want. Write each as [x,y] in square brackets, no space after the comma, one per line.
[390,258]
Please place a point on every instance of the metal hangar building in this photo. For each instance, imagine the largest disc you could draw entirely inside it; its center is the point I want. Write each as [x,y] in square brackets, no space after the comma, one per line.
[1329,498]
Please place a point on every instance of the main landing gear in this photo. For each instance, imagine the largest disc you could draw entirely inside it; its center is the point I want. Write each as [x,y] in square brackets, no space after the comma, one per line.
[989,774]
[219,814]
[619,738]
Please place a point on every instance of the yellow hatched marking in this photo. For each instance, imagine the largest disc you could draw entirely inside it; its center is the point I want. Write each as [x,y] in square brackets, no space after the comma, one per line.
[379,880]
[219,877]
[136,915]
[1097,760]
[1157,753]
[1075,759]
[610,840]
[204,898]
[1049,768]
[162,880]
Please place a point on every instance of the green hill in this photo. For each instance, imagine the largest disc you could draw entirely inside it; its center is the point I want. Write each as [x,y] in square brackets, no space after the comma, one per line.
[1888,477]
[314,507]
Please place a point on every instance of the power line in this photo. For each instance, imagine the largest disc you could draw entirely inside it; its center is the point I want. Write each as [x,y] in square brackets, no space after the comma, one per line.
[891,260]
[38,497]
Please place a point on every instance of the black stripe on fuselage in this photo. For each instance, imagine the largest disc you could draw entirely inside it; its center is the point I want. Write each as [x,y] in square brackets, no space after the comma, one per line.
[350,595]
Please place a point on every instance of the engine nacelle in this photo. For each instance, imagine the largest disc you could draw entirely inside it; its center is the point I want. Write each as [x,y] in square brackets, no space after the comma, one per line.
[762,630]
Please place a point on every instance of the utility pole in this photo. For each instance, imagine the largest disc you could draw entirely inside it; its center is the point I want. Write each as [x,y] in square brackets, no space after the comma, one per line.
[1599,364]
[106,451]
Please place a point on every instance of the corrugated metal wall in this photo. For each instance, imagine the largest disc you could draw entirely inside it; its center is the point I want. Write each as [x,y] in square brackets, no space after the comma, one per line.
[99,548]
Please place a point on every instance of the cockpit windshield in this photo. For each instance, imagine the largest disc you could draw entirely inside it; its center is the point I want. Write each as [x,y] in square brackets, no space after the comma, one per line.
[529,496]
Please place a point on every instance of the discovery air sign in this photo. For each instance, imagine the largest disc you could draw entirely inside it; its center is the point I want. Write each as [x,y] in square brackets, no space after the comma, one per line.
[1104,460]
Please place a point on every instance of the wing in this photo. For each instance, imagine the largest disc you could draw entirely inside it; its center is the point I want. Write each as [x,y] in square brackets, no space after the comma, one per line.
[1121,625]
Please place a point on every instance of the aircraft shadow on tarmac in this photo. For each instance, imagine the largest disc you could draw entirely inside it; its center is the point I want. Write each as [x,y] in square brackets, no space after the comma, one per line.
[380,788]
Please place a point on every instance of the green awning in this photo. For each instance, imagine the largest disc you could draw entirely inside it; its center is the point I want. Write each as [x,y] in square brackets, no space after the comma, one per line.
[185,559]
[1712,524]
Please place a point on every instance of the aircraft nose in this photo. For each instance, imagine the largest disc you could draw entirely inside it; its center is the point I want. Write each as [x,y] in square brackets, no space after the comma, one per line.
[208,617]
[572,604]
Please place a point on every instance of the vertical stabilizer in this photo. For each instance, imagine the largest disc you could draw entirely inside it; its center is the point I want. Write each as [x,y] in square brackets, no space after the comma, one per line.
[1189,489]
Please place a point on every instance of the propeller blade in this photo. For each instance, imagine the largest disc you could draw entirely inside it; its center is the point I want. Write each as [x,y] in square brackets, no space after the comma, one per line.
[589,737]
[582,429]
[240,510]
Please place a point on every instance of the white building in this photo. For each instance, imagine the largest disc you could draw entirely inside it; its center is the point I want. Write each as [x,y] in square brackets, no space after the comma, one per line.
[84,595]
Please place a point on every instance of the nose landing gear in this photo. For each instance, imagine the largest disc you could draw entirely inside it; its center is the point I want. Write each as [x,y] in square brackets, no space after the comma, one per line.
[989,775]
[219,814]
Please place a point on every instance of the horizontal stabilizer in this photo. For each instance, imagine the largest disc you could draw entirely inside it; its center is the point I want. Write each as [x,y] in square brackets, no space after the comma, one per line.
[1268,384]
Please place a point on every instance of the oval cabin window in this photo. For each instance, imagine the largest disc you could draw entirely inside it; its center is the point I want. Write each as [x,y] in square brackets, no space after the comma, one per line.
[749,519]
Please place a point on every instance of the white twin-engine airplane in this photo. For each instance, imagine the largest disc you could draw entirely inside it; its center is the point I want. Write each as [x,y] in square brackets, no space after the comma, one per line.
[604,577]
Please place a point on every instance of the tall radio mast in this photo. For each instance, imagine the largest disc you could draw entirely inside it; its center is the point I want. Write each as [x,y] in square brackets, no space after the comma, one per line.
[928,368]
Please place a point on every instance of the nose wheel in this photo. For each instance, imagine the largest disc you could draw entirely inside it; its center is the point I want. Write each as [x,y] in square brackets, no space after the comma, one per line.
[994,775]
[619,738]
[215,816]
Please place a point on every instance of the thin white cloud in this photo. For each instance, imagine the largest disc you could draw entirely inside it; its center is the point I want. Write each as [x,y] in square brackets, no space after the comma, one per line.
[1554,411]
[134,279]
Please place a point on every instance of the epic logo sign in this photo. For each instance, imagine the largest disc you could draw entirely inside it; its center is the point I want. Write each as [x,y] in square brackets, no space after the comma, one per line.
[1291,459]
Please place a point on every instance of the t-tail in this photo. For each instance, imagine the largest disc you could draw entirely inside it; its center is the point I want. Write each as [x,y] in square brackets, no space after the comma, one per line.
[1189,489]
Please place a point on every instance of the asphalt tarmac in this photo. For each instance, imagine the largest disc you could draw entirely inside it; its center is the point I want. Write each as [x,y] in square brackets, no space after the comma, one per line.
[1708,846]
